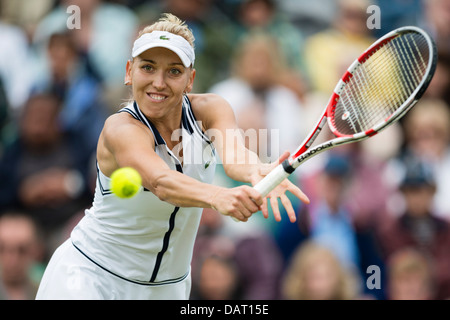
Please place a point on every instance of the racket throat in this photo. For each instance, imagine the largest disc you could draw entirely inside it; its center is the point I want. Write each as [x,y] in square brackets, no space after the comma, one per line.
[311,138]
[288,168]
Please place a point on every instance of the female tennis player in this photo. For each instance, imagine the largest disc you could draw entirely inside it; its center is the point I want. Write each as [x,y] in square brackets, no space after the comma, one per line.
[141,247]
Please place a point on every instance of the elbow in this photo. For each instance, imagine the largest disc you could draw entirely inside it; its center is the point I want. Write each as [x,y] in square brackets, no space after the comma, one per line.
[228,169]
[158,187]
[162,194]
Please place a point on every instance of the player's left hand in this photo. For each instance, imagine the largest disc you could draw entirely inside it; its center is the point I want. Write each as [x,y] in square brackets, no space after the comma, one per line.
[279,192]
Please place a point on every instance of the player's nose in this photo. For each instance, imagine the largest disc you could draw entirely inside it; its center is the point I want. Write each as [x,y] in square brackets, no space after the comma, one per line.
[159,81]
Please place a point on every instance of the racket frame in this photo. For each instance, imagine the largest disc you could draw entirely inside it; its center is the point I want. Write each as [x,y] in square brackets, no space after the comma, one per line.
[303,153]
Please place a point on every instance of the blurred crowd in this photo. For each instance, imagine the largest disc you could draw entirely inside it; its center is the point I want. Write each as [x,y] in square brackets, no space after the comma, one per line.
[378,226]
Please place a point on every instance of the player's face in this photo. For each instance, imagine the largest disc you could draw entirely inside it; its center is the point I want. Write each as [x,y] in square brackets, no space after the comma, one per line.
[159,80]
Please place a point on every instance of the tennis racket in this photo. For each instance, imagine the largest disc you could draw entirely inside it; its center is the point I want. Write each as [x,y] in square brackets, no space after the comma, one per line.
[378,88]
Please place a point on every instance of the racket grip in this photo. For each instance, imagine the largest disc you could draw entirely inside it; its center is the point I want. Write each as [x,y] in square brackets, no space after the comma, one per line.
[273,179]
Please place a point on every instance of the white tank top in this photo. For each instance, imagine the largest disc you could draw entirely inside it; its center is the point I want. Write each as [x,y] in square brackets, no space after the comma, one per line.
[144,239]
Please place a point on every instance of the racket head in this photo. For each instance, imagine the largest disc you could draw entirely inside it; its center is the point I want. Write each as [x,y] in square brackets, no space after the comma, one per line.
[383,83]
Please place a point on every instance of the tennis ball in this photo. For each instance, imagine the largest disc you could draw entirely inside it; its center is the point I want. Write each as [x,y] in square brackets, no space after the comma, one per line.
[125,182]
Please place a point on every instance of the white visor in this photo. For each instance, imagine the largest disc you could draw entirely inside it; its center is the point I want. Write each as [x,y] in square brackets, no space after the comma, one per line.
[168,40]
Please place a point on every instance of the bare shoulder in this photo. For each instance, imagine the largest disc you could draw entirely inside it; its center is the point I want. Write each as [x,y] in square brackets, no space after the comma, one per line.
[210,107]
[121,122]
[119,130]
[207,101]
[122,126]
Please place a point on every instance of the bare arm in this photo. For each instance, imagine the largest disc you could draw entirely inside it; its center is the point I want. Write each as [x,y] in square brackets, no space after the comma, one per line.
[115,151]
[240,163]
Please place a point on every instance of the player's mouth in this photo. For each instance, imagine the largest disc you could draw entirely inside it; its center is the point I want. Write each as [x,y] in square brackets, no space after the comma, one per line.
[156,96]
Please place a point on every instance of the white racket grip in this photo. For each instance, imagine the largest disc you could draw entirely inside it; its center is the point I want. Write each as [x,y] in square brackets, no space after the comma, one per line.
[269,182]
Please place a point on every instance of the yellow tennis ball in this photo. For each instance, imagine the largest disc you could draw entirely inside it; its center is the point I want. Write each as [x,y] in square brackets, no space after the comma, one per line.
[125,182]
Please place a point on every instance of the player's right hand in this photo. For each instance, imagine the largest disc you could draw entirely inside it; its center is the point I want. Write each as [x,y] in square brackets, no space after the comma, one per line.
[239,202]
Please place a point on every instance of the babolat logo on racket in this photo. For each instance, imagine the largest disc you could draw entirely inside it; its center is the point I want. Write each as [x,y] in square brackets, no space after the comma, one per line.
[164,38]
[315,150]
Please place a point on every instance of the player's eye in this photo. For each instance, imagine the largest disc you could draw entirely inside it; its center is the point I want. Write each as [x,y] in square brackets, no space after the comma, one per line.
[175,71]
[147,67]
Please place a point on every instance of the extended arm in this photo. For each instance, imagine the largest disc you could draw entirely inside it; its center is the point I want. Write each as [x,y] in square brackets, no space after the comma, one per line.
[240,163]
[115,151]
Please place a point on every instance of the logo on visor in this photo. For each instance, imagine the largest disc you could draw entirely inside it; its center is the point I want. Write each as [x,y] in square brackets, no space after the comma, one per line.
[164,38]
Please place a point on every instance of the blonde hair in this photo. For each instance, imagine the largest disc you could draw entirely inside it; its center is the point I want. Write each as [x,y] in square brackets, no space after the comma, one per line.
[306,256]
[263,42]
[171,23]
[410,263]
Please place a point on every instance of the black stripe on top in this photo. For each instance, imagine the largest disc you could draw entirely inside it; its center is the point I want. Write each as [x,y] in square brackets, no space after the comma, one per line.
[185,121]
[128,111]
[102,189]
[160,141]
[166,240]
[143,119]
[194,121]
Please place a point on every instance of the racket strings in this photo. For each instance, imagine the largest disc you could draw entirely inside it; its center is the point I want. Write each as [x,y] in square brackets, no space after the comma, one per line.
[387,86]
[411,71]
[381,84]
[401,92]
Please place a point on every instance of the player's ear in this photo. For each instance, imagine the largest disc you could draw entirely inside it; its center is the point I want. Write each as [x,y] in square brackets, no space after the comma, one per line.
[127,80]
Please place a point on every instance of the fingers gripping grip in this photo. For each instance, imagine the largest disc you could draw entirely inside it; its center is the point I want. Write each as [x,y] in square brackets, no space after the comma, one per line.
[273,179]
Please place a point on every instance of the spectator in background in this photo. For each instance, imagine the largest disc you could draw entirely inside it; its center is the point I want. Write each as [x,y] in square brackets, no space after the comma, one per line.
[315,273]
[329,53]
[105,37]
[365,183]
[83,111]
[266,17]
[245,254]
[437,16]
[309,16]
[15,67]
[439,87]
[214,271]
[217,279]
[15,75]
[43,172]
[427,137]
[398,13]
[19,253]
[410,276]
[417,226]
[347,194]
[331,220]
[24,13]
[259,99]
